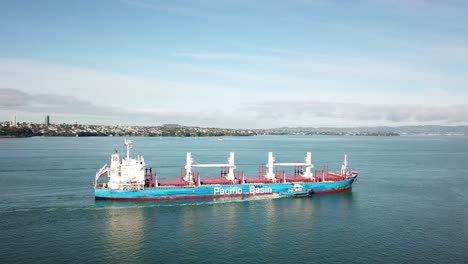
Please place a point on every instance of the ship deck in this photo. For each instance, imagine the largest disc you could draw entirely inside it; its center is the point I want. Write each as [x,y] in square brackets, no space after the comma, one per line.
[221,180]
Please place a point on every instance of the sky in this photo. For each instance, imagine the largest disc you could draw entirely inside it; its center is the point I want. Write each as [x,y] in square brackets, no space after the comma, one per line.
[235,64]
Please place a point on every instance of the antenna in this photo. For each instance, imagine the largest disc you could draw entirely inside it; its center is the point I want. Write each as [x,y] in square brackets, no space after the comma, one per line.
[128,143]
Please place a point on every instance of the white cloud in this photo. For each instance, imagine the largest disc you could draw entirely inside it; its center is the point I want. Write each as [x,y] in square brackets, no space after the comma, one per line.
[355,112]
[105,88]
[256,100]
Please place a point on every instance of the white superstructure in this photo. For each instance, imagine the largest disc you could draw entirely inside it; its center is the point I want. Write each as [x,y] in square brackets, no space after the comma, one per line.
[124,173]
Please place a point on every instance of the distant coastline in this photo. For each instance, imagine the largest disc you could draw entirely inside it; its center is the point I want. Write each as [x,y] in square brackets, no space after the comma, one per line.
[78,130]
[422,130]
[174,130]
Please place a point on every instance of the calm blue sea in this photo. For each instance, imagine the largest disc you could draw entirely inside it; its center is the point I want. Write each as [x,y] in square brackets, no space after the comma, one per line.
[410,204]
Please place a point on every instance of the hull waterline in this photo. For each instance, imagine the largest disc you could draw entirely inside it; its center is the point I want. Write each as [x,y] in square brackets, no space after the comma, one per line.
[219,191]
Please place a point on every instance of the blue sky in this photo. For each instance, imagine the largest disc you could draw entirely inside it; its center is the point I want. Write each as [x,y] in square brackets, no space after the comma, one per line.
[249,64]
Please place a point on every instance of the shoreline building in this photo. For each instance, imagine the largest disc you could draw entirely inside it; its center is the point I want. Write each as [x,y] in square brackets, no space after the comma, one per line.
[13,122]
[47,120]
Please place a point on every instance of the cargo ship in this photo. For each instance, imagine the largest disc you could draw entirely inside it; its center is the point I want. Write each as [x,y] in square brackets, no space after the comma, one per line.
[130,180]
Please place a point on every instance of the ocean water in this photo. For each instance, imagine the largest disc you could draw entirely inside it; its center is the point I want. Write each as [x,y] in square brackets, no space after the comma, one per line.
[410,204]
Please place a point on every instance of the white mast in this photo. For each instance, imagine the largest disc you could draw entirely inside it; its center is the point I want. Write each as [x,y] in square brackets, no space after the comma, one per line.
[270,171]
[231,167]
[309,166]
[188,168]
[270,174]
[344,166]
[189,165]
[128,143]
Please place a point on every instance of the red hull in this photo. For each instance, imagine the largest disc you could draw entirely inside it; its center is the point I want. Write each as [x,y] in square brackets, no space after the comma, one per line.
[333,191]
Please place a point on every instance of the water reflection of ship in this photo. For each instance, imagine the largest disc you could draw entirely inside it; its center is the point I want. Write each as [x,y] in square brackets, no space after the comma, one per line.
[196,221]
[189,219]
[126,226]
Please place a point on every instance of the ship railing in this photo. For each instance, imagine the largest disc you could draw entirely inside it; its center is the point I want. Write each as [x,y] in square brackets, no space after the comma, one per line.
[324,175]
[211,180]
[100,186]
[299,178]
[280,176]
[132,186]
[239,177]
[151,179]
